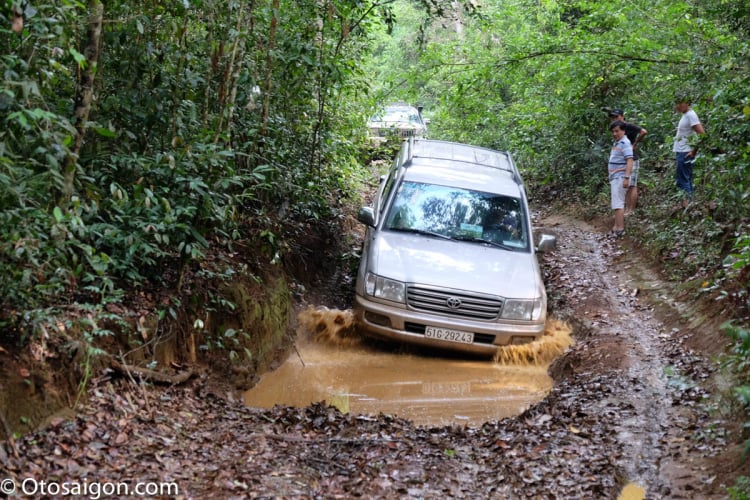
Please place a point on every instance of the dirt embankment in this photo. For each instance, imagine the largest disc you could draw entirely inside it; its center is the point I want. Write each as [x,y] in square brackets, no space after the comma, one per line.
[636,401]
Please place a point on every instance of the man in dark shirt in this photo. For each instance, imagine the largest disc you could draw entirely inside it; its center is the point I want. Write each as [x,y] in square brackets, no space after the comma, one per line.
[635,134]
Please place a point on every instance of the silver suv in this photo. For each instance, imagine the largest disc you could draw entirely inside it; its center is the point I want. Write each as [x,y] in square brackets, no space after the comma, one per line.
[448,258]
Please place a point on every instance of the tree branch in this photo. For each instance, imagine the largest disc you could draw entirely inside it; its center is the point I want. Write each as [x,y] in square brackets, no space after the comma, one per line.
[627,57]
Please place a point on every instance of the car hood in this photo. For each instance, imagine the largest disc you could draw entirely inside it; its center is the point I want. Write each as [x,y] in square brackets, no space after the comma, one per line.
[462,265]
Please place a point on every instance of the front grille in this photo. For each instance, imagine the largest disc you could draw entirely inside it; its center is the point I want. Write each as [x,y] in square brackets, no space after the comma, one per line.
[453,303]
[401,132]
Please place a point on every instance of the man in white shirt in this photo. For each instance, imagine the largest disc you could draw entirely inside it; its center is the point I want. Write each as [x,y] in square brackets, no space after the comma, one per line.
[686,148]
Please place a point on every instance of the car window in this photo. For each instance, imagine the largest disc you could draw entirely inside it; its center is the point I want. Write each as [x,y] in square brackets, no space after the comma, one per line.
[458,213]
[398,115]
[386,193]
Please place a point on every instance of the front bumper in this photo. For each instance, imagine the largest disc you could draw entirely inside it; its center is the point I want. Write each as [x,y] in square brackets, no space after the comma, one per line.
[398,324]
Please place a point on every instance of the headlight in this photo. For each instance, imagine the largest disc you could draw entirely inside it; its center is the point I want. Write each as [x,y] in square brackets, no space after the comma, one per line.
[528,310]
[384,288]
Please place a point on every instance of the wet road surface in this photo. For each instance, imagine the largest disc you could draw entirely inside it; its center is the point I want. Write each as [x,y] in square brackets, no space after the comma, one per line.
[427,389]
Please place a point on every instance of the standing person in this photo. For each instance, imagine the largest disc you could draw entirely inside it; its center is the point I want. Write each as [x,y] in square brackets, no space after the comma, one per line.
[635,134]
[620,169]
[688,126]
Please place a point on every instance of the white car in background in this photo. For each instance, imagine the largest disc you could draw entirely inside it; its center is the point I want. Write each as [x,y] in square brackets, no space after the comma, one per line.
[399,121]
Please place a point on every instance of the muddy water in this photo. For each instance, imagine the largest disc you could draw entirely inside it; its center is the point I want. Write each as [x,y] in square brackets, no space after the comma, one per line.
[333,364]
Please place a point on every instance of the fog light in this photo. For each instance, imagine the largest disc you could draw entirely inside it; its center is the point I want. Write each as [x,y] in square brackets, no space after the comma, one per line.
[377,319]
[516,340]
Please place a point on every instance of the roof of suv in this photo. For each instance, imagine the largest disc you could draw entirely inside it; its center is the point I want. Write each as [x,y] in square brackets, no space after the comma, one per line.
[462,165]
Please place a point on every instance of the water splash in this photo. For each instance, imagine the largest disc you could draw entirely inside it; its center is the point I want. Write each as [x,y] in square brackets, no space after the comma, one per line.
[334,364]
[557,337]
[329,325]
[337,327]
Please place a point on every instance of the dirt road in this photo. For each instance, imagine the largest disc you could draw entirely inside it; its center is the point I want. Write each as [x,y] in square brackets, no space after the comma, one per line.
[629,407]
[648,387]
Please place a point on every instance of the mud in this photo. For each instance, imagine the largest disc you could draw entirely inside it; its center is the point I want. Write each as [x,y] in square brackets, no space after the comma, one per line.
[333,364]
[638,333]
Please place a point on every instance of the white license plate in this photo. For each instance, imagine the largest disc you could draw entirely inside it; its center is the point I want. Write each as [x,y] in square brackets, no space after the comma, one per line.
[433,332]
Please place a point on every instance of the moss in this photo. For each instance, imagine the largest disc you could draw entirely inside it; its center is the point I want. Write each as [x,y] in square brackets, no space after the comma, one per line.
[262,315]
[261,318]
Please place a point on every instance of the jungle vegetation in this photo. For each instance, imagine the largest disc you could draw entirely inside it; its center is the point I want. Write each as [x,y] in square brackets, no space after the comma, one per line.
[138,137]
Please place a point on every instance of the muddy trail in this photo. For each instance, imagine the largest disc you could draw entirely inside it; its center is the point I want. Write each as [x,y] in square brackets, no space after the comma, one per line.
[333,363]
[628,415]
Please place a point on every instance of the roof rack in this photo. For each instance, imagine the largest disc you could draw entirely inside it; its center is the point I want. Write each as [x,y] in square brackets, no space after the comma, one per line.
[455,151]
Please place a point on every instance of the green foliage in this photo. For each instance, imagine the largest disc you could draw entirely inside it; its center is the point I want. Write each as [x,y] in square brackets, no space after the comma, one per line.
[738,360]
[740,490]
[230,340]
[737,265]
[206,115]
[217,120]
[535,78]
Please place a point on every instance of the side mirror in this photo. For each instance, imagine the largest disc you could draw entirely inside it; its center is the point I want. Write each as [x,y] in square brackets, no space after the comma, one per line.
[547,243]
[366,215]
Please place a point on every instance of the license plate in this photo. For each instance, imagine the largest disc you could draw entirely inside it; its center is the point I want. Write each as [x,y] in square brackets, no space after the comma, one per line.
[433,332]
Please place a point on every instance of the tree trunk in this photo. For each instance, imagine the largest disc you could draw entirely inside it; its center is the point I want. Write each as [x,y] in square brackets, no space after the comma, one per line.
[269,65]
[231,77]
[176,90]
[84,92]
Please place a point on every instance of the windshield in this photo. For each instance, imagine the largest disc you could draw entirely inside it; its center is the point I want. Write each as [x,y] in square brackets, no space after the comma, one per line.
[459,213]
[399,115]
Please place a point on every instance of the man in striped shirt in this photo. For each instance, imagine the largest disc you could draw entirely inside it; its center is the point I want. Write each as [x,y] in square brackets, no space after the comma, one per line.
[620,168]
[634,133]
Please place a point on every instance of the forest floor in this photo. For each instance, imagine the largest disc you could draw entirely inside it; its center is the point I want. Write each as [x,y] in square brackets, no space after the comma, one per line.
[636,409]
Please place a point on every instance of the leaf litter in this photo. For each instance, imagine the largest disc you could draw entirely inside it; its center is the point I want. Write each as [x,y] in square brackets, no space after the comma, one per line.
[613,419]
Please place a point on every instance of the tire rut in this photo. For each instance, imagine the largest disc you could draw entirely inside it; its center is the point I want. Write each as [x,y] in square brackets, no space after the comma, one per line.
[597,282]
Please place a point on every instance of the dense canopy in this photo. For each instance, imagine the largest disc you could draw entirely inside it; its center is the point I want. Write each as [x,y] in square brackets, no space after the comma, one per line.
[139,137]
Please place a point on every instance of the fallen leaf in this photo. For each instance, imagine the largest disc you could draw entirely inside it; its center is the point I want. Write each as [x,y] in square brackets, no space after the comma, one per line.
[121,438]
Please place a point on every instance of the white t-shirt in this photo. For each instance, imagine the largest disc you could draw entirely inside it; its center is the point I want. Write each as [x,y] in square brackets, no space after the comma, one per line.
[684,131]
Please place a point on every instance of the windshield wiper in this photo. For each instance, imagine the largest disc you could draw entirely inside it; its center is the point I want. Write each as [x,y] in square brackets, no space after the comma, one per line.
[482,240]
[420,231]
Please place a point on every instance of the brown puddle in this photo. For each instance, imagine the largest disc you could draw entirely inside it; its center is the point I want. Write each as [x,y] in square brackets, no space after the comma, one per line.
[632,491]
[332,365]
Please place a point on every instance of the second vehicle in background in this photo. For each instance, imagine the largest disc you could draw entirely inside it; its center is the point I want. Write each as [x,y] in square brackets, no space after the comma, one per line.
[398,121]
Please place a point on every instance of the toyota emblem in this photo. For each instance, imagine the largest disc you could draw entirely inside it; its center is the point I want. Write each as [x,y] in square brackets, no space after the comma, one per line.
[453,302]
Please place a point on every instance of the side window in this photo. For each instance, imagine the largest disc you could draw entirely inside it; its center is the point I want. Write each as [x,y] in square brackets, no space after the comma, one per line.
[390,181]
[387,188]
